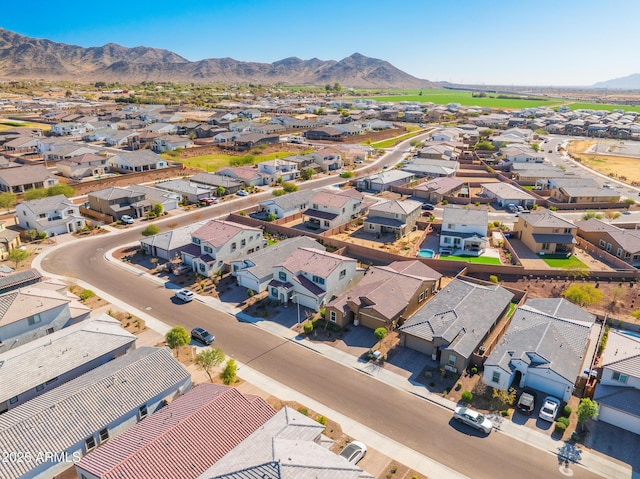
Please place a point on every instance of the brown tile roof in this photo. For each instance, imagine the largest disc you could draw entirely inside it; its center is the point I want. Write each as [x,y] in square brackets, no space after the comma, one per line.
[313,261]
[217,232]
[183,439]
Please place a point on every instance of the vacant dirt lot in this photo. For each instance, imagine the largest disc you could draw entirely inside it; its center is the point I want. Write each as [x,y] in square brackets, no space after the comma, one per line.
[623,168]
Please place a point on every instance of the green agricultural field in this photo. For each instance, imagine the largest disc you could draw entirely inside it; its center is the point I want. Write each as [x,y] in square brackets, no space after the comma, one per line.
[214,162]
[7,124]
[602,106]
[465,98]
[392,141]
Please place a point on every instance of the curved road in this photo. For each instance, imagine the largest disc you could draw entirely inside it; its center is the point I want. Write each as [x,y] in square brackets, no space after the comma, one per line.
[409,420]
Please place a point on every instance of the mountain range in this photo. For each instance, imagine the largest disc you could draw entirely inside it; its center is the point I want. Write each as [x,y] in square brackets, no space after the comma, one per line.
[23,58]
[630,82]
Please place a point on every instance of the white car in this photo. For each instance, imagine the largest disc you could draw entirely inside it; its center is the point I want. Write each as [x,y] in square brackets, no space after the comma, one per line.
[549,409]
[242,193]
[185,295]
[126,219]
[472,418]
[354,451]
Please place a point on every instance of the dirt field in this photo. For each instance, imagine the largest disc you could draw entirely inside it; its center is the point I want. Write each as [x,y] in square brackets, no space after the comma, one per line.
[607,165]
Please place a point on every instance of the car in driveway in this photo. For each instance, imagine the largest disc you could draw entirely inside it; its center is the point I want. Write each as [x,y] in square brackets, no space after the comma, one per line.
[209,201]
[126,220]
[527,402]
[428,206]
[242,193]
[549,409]
[185,295]
[202,335]
[354,451]
[472,418]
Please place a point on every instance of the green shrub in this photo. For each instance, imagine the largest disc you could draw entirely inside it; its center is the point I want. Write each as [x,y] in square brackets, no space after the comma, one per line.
[250,292]
[566,411]
[303,410]
[504,413]
[564,420]
[474,370]
[228,374]
[380,333]
[467,396]
[322,420]
[493,278]
[346,174]
[560,427]
[86,294]
[308,328]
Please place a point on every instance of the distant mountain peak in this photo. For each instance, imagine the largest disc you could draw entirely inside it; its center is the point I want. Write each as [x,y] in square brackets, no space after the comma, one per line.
[630,82]
[23,57]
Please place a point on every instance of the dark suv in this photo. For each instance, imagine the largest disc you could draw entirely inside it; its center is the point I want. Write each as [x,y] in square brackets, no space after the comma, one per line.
[527,402]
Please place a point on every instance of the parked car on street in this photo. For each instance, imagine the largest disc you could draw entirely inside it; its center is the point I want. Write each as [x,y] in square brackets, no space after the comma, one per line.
[209,201]
[549,409]
[202,335]
[527,402]
[428,206]
[354,451]
[242,193]
[472,418]
[185,295]
[126,220]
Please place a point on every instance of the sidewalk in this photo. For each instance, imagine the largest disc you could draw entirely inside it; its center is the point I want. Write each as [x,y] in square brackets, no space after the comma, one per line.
[595,463]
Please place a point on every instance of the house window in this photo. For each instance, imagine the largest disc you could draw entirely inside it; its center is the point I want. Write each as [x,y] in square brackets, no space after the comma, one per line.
[495,377]
[195,240]
[104,435]
[619,252]
[326,224]
[282,276]
[452,360]
[35,319]
[372,226]
[142,411]
[315,206]
[621,378]
[13,400]
[421,297]
[243,243]
[274,292]
[317,279]
[451,226]
[202,267]
[447,240]
[602,243]
[234,246]
[49,330]
[332,316]
[69,212]
[208,249]
[343,273]
[545,246]
[51,381]
[609,247]
[567,230]
[90,442]
[39,387]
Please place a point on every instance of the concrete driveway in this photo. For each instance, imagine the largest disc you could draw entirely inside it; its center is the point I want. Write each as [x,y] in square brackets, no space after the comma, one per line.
[527,257]
[616,443]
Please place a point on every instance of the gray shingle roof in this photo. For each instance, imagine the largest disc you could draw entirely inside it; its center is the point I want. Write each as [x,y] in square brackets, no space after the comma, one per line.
[453,315]
[464,216]
[559,344]
[623,398]
[47,204]
[548,219]
[19,278]
[138,158]
[622,354]
[560,308]
[62,417]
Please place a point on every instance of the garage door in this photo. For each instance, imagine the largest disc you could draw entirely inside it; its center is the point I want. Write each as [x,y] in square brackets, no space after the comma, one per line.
[548,386]
[619,419]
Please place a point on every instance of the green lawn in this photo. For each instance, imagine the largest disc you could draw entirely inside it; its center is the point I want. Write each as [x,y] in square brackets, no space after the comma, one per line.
[602,106]
[473,259]
[564,263]
[217,161]
[7,124]
[392,141]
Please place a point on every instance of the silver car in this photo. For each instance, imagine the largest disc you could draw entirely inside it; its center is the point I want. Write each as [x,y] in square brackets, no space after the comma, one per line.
[354,451]
[472,418]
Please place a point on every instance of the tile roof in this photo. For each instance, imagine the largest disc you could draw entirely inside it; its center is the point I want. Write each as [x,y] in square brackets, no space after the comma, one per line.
[508,191]
[464,216]
[290,201]
[34,363]
[313,261]
[47,204]
[219,232]
[66,415]
[173,239]
[13,280]
[288,438]
[25,175]
[547,219]
[182,440]
[395,206]
[212,179]
[622,353]
[137,158]
[453,315]
[27,301]
[441,185]
[622,398]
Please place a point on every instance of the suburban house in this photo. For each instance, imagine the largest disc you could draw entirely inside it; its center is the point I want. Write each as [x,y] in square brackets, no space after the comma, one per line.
[288,445]
[222,185]
[464,230]
[83,166]
[170,143]
[441,151]
[311,277]
[68,151]
[431,168]
[393,217]
[535,173]
[546,233]
[514,153]
[329,209]
[581,190]
[19,279]
[86,412]
[53,215]
[447,134]
[215,244]
[35,311]
[280,168]
[247,175]
[116,202]
[19,180]
[436,189]
[625,244]
[544,348]
[385,296]
[451,326]
[255,270]
[34,368]
[618,392]
[68,129]
[167,245]
[9,240]
[228,418]
[154,196]
[136,161]
[287,205]
[385,180]
[506,194]
[189,192]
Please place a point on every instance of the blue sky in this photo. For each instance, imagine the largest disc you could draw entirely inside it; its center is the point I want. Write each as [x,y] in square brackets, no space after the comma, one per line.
[509,42]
